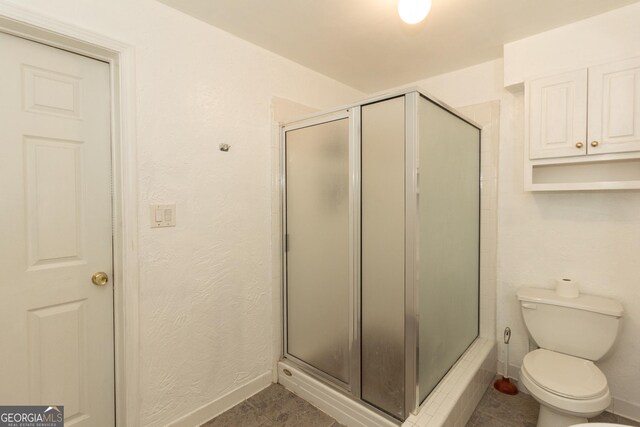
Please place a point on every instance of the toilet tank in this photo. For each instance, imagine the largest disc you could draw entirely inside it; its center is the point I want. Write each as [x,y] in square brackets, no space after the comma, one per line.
[585,327]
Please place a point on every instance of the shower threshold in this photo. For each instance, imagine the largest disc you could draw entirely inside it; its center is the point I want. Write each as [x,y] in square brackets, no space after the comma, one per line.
[451,402]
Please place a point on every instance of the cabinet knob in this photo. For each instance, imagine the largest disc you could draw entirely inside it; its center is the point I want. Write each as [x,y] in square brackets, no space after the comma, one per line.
[594,143]
[579,145]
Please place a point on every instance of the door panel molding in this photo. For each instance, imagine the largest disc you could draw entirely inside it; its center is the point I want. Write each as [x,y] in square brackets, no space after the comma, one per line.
[64,244]
[37,27]
[64,366]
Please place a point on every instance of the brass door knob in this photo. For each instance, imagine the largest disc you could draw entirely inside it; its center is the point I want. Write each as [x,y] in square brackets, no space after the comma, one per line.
[594,143]
[579,145]
[100,278]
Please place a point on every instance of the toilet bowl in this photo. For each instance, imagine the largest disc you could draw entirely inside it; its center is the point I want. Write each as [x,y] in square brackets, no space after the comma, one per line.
[568,388]
[571,334]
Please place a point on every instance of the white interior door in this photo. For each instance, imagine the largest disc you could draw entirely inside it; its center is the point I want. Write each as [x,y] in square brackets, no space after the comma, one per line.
[56,329]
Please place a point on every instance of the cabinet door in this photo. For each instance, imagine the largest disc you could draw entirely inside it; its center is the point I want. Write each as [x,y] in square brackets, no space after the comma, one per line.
[558,115]
[614,107]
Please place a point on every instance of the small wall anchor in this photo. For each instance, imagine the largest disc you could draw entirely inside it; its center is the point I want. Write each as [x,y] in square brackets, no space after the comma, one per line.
[224,147]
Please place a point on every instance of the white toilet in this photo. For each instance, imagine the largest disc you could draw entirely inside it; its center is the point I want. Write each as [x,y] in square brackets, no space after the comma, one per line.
[571,334]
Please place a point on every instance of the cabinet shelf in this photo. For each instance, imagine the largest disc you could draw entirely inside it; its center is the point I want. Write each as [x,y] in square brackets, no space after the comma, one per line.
[616,174]
[583,129]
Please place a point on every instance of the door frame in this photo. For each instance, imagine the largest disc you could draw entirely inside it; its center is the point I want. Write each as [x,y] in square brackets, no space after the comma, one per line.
[40,28]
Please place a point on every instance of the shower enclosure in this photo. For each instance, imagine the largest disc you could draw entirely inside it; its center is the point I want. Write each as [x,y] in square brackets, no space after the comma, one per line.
[381,214]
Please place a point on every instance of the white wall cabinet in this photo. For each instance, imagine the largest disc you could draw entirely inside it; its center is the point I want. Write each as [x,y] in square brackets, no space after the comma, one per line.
[583,129]
[614,107]
[558,115]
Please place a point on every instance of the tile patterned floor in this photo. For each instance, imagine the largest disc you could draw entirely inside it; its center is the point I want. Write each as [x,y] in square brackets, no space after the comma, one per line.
[273,406]
[277,407]
[500,410]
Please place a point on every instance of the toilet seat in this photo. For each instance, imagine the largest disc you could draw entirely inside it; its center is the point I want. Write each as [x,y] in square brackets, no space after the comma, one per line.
[564,375]
[580,391]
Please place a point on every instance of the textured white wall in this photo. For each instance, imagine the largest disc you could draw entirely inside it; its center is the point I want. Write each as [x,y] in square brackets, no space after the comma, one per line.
[468,86]
[477,92]
[593,237]
[601,38]
[205,286]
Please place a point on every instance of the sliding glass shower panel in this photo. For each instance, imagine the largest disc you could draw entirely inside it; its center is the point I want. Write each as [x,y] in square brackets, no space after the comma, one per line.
[448,237]
[383,249]
[317,225]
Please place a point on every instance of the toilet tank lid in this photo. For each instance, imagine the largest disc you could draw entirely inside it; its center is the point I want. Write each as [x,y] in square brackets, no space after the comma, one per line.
[583,302]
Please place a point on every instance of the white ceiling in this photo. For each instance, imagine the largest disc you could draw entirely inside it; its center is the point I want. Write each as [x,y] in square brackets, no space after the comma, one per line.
[364,44]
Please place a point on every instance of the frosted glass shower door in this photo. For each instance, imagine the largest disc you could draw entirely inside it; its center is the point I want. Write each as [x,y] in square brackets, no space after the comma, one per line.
[319,314]
[383,255]
[448,240]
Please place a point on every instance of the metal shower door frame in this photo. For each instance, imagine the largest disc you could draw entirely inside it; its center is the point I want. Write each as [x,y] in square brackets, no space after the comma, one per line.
[353,115]
[411,325]
[412,171]
[412,221]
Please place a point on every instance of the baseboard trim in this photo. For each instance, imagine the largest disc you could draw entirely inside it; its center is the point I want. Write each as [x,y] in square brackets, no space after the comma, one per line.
[223,403]
[625,409]
[330,401]
[514,370]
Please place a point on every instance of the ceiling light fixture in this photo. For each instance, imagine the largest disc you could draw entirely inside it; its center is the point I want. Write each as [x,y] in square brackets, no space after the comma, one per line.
[413,11]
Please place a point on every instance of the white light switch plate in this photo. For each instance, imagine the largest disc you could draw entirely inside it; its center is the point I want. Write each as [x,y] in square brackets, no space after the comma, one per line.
[162,215]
